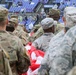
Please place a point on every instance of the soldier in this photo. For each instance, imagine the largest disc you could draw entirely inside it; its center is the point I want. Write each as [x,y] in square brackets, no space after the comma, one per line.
[14,22]
[43,41]
[15,59]
[38,31]
[55,14]
[19,31]
[58,37]
[58,59]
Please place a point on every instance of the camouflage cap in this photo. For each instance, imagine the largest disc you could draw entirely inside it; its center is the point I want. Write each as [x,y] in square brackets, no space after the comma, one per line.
[71,11]
[14,16]
[3,13]
[14,20]
[70,15]
[54,12]
[47,23]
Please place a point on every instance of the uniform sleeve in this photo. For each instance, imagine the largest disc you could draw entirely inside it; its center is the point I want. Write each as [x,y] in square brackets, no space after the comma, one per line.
[37,43]
[23,59]
[44,68]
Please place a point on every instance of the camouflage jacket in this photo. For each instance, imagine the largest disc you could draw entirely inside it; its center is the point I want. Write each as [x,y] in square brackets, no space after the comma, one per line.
[55,41]
[15,50]
[42,42]
[63,58]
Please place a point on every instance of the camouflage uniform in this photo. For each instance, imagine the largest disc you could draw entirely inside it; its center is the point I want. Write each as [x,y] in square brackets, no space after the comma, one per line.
[59,27]
[59,61]
[20,26]
[22,35]
[55,41]
[43,41]
[13,47]
[12,43]
[62,57]
[55,14]
[19,31]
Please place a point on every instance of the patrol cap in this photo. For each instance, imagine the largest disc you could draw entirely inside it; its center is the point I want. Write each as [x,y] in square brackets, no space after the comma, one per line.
[14,16]
[14,20]
[70,11]
[70,15]
[54,12]
[47,23]
[3,13]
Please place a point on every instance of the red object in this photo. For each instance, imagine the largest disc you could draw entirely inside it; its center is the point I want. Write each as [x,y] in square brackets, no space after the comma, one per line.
[38,53]
[34,66]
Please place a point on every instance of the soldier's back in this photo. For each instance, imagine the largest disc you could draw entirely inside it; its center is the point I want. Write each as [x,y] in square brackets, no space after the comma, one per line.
[9,44]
